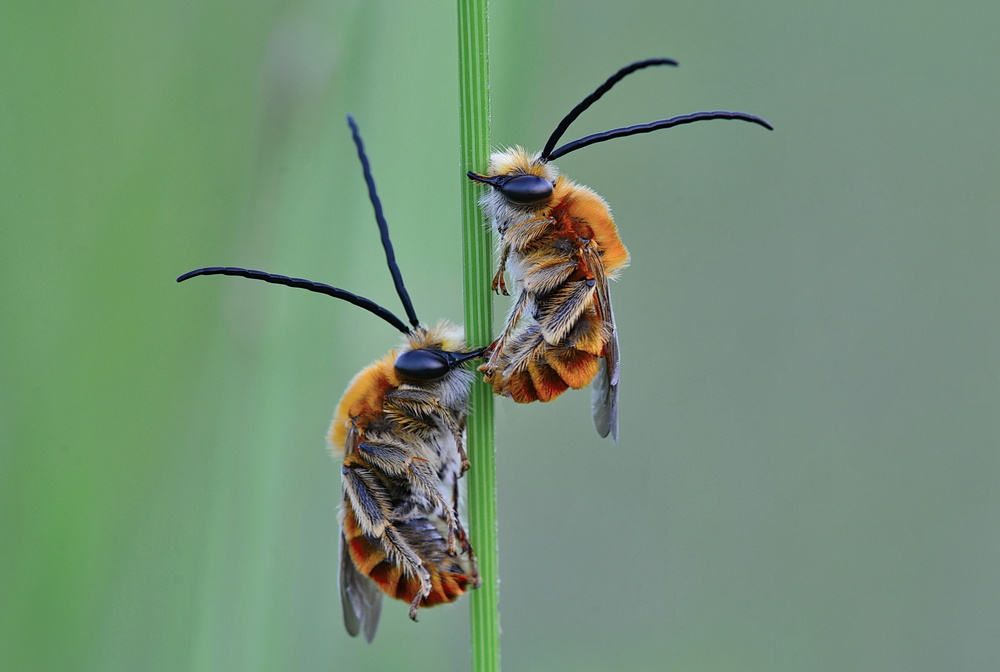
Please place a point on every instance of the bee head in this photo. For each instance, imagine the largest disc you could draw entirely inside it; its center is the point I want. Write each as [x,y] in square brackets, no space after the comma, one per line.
[518,189]
[434,353]
[521,178]
[427,364]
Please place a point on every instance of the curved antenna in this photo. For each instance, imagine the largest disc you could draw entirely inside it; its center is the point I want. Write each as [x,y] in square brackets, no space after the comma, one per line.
[302,283]
[383,226]
[655,126]
[593,98]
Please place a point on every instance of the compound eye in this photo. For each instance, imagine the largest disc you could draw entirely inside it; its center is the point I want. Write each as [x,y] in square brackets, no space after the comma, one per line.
[422,364]
[526,189]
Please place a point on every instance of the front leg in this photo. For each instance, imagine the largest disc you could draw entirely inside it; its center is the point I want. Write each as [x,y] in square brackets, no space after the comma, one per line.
[416,474]
[499,286]
[496,350]
[457,428]
[518,238]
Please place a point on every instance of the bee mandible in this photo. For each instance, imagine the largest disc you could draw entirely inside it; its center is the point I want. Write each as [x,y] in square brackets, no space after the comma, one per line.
[399,426]
[559,243]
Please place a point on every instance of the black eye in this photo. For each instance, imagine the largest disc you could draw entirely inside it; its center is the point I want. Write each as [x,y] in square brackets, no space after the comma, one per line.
[526,189]
[422,364]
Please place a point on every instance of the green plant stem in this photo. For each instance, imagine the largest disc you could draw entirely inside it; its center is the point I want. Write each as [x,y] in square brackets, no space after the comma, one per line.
[477,260]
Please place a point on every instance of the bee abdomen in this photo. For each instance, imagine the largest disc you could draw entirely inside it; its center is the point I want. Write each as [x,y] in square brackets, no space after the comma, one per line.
[536,370]
[450,576]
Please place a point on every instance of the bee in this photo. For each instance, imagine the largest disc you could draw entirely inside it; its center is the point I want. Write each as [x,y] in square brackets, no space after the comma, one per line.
[559,243]
[399,427]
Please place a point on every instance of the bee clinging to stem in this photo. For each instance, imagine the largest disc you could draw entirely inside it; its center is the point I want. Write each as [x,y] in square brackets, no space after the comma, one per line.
[561,246]
[399,426]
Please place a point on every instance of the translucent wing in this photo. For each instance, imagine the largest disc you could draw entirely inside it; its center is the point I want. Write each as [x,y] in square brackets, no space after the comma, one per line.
[604,399]
[360,598]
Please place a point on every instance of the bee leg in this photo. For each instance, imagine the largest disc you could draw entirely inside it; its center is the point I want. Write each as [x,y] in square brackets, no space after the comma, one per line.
[518,237]
[459,531]
[457,429]
[368,502]
[473,568]
[415,604]
[423,476]
[491,365]
[368,497]
[396,461]
[499,286]
[397,549]
[447,417]
[490,349]
[464,539]
[497,347]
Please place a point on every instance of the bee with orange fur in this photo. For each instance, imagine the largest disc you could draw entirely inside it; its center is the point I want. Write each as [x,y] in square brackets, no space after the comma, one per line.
[561,246]
[399,426]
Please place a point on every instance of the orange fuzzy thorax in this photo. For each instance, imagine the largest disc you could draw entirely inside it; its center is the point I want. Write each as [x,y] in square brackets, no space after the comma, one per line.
[579,206]
[363,399]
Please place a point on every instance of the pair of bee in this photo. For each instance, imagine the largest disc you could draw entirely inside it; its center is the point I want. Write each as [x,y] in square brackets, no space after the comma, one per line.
[400,423]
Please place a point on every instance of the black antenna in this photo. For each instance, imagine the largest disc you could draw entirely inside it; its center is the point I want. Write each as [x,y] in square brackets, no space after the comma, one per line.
[654,126]
[383,226]
[329,290]
[595,96]
[302,283]
[550,154]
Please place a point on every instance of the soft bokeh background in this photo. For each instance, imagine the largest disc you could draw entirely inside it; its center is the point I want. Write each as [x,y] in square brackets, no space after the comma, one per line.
[808,466]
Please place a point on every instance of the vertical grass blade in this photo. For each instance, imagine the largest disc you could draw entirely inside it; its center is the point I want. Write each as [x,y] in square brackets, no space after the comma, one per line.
[473,65]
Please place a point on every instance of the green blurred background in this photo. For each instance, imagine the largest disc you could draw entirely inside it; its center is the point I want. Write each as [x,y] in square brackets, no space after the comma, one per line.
[808,466]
